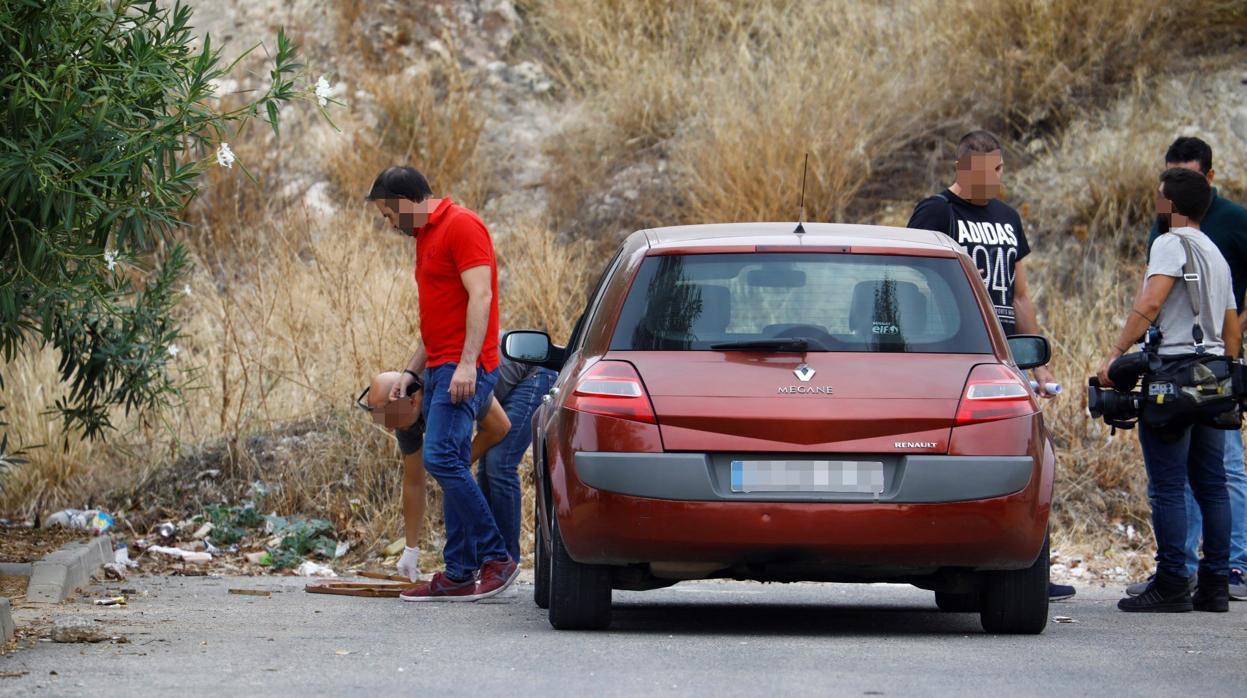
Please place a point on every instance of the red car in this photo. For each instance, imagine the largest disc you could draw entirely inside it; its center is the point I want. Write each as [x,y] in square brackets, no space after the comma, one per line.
[759,401]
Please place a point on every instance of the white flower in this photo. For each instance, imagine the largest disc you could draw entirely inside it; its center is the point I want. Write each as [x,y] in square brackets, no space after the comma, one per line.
[225,156]
[173,350]
[186,290]
[110,258]
[323,91]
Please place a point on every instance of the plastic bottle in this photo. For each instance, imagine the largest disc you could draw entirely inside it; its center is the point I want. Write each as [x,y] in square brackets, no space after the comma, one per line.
[1052,388]
[122,556]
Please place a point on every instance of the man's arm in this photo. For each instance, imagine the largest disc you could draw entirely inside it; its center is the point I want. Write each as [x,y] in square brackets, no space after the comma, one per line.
[1023,306]
[478,283]
[1231,333]
[494,427]
[1147,304]
[415,365]
[1028,323]
[418,359]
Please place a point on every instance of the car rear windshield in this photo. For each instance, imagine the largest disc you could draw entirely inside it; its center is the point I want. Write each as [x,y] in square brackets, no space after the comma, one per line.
[835,302]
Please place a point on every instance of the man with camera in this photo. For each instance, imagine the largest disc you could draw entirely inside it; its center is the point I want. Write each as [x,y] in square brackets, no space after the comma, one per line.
[1188,298]
[1225,223]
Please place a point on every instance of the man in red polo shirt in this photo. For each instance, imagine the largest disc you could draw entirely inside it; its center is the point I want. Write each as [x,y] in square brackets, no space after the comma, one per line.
[457,280]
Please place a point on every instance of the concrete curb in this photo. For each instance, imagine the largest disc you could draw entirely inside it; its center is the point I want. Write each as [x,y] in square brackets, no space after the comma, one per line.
[7,626]
[14,569]
[58,574]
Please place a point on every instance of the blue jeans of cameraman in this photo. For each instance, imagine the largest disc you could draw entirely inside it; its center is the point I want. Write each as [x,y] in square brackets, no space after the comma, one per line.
[472,537]
[498,474]
[1236,480]
[1194,457]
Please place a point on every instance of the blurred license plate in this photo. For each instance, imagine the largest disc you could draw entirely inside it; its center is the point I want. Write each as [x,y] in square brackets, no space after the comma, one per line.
[807,476]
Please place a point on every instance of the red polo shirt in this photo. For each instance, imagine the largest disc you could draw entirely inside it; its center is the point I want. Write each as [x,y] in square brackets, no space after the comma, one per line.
[453,241]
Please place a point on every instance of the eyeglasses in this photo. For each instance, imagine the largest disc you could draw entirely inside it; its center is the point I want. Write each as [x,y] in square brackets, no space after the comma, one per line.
[359,401]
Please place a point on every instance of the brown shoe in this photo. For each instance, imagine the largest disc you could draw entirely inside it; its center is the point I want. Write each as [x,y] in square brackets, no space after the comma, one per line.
[442,588]
[495,577]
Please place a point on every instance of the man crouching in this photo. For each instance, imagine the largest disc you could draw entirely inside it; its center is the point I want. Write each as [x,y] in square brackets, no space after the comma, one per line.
[404,417]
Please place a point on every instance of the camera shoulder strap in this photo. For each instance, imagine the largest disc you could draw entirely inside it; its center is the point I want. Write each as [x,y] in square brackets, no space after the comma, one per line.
[1190,275]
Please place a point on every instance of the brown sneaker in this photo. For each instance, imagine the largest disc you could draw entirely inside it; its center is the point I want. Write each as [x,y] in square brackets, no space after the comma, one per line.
[442,588]
[495,577]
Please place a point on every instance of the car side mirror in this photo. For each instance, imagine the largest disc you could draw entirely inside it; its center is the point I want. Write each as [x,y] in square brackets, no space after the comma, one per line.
[533,348]
[1030,350]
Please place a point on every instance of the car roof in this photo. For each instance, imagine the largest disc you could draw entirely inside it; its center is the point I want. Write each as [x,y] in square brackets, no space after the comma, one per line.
[875,237]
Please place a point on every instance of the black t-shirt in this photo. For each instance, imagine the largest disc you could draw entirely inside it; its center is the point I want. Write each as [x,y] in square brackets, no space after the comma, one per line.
[992,236]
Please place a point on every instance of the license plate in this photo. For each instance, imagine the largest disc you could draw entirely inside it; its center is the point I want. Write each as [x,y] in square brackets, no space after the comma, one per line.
[807,476]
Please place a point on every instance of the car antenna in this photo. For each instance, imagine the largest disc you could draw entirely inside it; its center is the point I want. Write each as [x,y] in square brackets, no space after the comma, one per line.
[801,206]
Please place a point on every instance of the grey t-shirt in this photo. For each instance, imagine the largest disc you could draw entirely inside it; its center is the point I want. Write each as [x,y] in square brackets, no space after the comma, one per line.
[1216,292]
[510,374]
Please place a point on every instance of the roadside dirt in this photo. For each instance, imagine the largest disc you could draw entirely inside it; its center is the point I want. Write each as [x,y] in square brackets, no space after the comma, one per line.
[21,544]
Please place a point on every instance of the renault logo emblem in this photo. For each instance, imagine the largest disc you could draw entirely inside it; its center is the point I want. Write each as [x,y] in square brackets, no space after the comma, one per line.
[803,373]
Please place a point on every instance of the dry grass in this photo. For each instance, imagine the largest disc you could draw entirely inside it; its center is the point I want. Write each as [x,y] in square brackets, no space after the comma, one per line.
[429,120]
[734,94]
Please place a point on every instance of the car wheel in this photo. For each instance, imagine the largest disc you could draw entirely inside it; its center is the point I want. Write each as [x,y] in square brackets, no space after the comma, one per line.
[1016,602]
[541,569]
[580,595]
[952,602]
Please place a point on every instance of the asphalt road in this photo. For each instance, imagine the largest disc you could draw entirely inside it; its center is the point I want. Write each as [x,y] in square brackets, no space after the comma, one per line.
[188,636]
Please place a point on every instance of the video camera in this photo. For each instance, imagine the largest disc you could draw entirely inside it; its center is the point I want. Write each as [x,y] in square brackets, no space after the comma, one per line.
[1119,405]
[1179,390]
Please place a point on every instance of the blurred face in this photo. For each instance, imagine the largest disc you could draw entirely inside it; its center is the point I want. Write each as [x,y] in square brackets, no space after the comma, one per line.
[404,215]
[1166,217]
[398,414]
[979,175]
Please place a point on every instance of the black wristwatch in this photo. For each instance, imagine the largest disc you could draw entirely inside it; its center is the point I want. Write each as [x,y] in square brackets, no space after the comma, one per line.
[419,383]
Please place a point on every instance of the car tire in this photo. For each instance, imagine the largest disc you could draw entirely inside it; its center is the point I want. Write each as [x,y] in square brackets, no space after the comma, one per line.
[1016,602]
[580,595]
[953,602]
[541,569]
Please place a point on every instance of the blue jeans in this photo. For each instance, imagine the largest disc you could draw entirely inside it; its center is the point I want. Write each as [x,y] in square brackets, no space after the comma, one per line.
[1196,456]
[498,474]
[1236,479]
[472,537]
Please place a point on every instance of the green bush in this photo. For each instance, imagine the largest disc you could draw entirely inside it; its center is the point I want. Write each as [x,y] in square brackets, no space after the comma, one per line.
[107,118]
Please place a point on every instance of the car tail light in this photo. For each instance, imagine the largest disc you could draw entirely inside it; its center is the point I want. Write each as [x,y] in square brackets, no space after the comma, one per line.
[994,392]
[614,389]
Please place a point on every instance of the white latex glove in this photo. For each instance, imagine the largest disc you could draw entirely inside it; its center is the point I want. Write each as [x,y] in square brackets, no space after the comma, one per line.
[408,564]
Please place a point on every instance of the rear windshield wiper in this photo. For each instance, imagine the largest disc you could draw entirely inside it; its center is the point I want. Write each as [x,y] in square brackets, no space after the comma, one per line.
[793,344]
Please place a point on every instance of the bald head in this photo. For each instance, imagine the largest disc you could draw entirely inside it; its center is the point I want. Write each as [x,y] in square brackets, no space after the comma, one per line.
[401,413]
[379,391]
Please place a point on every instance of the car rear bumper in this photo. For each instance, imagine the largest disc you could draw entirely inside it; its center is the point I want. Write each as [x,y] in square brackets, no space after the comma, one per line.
[698,477]
[964,518]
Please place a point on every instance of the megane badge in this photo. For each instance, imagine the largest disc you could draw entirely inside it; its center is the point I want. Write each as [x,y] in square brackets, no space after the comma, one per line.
[804,373]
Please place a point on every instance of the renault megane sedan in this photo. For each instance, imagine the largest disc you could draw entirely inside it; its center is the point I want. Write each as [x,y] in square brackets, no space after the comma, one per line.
[762,401]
